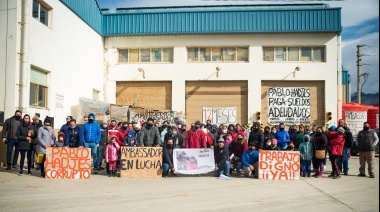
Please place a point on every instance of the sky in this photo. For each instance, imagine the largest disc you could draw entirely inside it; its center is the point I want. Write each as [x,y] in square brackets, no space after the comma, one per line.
[360,22]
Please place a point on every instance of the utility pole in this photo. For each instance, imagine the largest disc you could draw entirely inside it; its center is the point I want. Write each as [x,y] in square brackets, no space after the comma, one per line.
[359,91]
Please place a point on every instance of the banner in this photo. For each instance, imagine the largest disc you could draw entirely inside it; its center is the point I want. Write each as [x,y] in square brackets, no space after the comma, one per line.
[219,115]
[279,165]
[355,121]
[289,106]
[193,161]
[68,163]
[141,162]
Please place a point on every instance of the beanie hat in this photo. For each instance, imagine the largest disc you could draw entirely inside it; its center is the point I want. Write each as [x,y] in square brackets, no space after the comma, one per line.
[197,123]
[61,134]
[274,141]
[47,120]
[340,129]
[131,132]
[251,144]
[221,140]
[35,118]
[332,128]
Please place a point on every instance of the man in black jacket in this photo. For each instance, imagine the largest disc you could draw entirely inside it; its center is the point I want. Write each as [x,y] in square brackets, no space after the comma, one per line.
[348,142]
[222,163]
[9,138]
[256,136]
[168,158]
[176,136]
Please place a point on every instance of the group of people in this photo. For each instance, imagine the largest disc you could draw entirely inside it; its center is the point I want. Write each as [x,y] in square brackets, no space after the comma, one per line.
[235,146]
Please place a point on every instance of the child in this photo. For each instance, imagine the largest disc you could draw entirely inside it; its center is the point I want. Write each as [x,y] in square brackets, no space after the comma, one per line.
[130,139]
[111,155]
[306,153]
[61,140]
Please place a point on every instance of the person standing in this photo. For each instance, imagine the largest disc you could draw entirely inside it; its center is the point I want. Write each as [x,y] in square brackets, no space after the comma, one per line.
[168,158]
[149,135]
[250,161]
[10,138]
[336,150]
[46,139]
[306,154]
[256,136]
[240,147]
[282,137]
[366,142]
[67,125]
[72,135]
[111,155]
[37,123]
[320,144]
[222,163]
[267,134]
[90,135]
[102,143]
[298,138]
[348,142]
[25,134]
[176,136]
[196,137]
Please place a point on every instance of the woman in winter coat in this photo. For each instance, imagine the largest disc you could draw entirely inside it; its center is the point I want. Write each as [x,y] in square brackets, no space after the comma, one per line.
[241,146]
[320,145]
[336,151]
[25,134]
[111,155]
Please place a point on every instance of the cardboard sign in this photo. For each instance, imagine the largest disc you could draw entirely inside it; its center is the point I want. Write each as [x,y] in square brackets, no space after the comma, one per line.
[219,115]
[141,162]
[68,163]
[193,161]
[354,121]
[279,165]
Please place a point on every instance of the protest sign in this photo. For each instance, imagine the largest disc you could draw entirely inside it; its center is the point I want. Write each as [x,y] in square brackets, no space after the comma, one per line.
[141,162]
[354,121]
[289,105]
[193,161]
[68,163]
[279,165]
[219,115]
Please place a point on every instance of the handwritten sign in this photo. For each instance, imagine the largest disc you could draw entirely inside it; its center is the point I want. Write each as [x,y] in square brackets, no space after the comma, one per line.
[219,115]
[141,162]
[193,161]
[355,121]
[289,105]
[68,163]
[279,165]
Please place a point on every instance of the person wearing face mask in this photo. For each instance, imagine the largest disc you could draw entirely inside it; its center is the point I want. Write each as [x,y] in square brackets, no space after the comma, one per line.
[37,123]
[149,135]
[273,131]
[282,137]
[306,154]
[9,137]
[343,160]
[214,134]
[123,131]
[66,125]
[163,131]
[113,129]
[61,140]
[320,145]
[366,142]
[298,137]
[336,148]
[25,134]
[196,137]
[292,131]
[46,138]
[168,158]
[91,135]
[176,136]
[267,133]
[240,147]
[222,163]
[103,143]
[72,135]
[250,161]
[256,136]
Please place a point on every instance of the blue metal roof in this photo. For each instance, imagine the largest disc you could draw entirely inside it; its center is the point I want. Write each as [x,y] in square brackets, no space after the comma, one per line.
[209,19]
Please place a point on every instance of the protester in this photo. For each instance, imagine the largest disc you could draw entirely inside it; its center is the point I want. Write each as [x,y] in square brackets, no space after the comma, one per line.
[168,158]
[336,149]
[246,131]
[240,147]
[25,134]
[123,131]
[267,134]
[312,134]
[256,136]
[298,137]
[91,135]
[319,143]
[37,123]
[306,153]
[176,136]
[103,143]
[290,146]
[111,155]
[73,135]
[149,135]
[46,139]
[214,134]
[131,140]
[282,137]
[366,142]
[196,137]
[10,139]
[61,140]
[230,143]
[222,163]
[348,141]
[208,138]
[250,161]
[66,125]
[163,131]
[273,131]
[208,124]
[113,129]
[292,131]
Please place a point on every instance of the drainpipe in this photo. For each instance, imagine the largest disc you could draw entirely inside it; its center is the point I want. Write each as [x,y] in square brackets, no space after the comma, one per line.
[339,47]
[24,56]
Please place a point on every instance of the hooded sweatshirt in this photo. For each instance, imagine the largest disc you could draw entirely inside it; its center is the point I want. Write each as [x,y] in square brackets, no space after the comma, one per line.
[306,149]
[91,131]
[111,150]
[256,136]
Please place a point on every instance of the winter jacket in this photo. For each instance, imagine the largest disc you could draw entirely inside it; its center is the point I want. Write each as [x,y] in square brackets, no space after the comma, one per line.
[319,142]
[131,141]
[91,131]
[221,156]
[231,147]
[10,128]
[257,137]
[250,158]
[104,136]
[37,127]
[306,150]
[149,136]
[45,136]
[162,135]
[240,148]
[282,137]
[348,138]
[64,127]
[22,134]
[58,144]
[111,151]
[297,140]
[209,140]
[267,136]
[177,140]
[168,155]
[195,139]
[73,137]
[113,130]
[337,145]
[271,148]
[292,133]
[331,135]
[121,135]
[367,140]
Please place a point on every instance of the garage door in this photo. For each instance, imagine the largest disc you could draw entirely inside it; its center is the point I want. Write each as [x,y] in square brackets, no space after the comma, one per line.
[316,99]
[153,95]
[220,94]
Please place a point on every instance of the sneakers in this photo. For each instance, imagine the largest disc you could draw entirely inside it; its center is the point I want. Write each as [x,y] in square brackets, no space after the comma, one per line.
[319,176]
[29,173]
[331,175]
[372,176]
[336,177]
[20,173]
[315,175]
[345,173]
[361,175]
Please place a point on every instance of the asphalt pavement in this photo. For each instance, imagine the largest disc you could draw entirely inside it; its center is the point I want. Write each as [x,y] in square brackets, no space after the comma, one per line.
[190,193]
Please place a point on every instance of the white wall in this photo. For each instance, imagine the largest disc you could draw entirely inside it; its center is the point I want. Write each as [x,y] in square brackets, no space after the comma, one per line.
[256,70]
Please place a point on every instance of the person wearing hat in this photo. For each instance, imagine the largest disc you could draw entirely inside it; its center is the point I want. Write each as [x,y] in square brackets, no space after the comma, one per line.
[196,137]
[250,160]
[91,135]
[336,149]
[46,138]
[306,154]
[256,136]
[66,125]
[221,155]
[61,140]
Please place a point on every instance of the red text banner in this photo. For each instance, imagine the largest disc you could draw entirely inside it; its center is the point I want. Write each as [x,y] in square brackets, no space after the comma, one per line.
[279,165]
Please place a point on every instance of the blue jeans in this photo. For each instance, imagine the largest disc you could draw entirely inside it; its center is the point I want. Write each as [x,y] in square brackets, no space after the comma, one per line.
[343,160]
[94,152]
[165,169]
[225,171]
[10,144]
[22,160]
[100,154]
[306,166]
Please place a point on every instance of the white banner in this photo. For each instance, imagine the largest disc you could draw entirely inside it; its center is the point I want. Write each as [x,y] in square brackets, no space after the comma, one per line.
[289,106]
[355,121]
[193,161]
[219,115]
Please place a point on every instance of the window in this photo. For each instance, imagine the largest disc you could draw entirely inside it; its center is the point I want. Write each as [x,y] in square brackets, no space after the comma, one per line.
[217,54]
[123,56]
[145,55]
[242,54]
[268,53]
[41,11]
[192,54]
[205,54]
[280,54]
[229,54]
[134,57]
[312,54]
[293,54]
[38,88]
[319,54]
[305,54]
[154,55]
